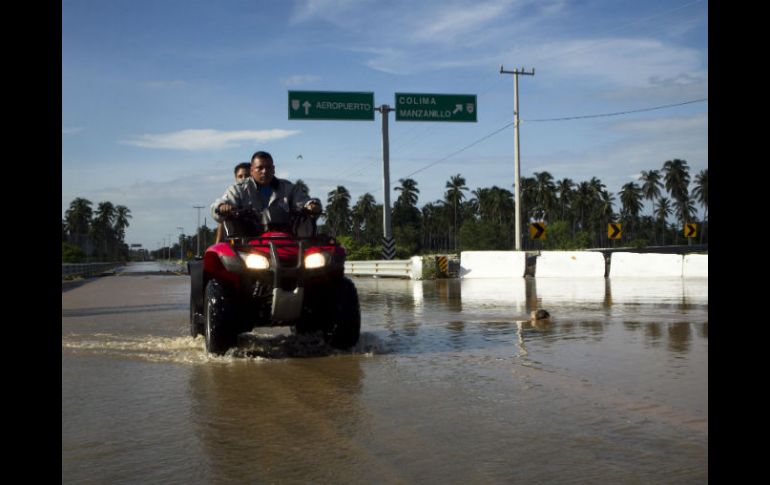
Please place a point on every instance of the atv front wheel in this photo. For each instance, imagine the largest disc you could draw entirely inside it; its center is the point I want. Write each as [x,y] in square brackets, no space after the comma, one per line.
[196,319]
[345,317]
[220,322]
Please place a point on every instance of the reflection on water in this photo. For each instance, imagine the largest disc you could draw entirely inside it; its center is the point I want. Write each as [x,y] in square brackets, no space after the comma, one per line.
[252,421]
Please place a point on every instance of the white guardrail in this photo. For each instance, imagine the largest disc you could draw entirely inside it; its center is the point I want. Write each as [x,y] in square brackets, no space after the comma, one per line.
[395,268]
[86,269]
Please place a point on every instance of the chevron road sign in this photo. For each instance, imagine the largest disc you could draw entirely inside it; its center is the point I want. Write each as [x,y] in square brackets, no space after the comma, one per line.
[388,248]
[613,230]
[537,230]
[691,230]
[443,265]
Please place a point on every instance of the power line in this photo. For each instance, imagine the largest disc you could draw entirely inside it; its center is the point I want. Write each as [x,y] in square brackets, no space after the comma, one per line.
[460,150]
[620,112]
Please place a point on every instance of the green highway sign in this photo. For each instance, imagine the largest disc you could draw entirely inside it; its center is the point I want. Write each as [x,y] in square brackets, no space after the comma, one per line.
[330,105]
[435,107]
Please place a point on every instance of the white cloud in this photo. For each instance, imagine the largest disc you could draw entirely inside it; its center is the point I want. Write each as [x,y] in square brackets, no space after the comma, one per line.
[624,62]
[451,21]
[204,139]
[306,10]
[71,131]
[666,126]
[299,79]
[165,84]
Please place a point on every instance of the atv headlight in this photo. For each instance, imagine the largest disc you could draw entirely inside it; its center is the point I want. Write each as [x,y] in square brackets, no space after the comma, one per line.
[315,260]
[255,261]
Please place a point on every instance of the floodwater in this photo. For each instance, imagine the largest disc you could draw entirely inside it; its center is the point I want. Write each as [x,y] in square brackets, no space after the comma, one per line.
[449,384]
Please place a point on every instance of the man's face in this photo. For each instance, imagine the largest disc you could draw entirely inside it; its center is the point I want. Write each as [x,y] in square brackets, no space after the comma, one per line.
[241,175]
[262,171]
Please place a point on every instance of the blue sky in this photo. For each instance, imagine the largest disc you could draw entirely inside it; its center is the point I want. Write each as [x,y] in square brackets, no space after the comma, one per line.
[160,99]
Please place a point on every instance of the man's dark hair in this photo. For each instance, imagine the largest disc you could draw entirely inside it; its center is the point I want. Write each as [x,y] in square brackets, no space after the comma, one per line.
[245,165]
[263,155]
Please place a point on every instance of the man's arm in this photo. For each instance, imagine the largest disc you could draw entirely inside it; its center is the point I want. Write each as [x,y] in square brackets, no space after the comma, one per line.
[229,198]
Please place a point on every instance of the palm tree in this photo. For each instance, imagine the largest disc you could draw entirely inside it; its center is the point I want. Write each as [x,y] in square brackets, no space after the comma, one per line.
[78,218]
[651,186]
[544,195]
[302,186]
[565,195]
[661,214]
[482,203]
[122,215]
[338,211]
[701,194]
[102,226]
[582,204]
[631,204]
[604,213]
[409,191]
[677,177]
[454,196]
[685,211]
[362,214]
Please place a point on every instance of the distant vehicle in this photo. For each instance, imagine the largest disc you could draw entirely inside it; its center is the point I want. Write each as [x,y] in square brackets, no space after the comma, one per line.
[274,272]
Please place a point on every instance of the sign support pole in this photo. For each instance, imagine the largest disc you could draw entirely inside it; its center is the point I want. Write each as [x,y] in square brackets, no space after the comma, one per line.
[198,236]
[388,243]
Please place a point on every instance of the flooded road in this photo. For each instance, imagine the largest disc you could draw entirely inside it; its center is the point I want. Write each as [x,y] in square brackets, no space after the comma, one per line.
[449,384]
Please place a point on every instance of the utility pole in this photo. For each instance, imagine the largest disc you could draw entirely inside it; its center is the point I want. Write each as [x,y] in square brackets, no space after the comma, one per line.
[181,244]
[517,183]
[388,244]
[198,230]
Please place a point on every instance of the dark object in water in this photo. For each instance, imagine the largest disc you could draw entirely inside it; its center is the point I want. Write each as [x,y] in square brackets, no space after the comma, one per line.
[540,314]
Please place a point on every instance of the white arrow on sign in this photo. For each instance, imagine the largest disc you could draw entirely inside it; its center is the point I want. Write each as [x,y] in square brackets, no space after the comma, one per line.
[458,107]
[307,106]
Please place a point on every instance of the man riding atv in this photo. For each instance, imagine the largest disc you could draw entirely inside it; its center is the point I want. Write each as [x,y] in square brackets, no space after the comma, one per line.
[272,268]
[263,190]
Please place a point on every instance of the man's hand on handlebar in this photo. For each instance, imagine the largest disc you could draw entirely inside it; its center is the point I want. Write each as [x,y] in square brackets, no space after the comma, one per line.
[312,207]
[224,209]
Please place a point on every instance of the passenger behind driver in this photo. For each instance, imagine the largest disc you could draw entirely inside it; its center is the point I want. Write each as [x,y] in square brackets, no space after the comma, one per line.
[241,172]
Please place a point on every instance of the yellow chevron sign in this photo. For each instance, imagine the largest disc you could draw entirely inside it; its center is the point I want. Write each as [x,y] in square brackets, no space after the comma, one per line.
[537,230]
[613,230]
[691,230]
[443,265]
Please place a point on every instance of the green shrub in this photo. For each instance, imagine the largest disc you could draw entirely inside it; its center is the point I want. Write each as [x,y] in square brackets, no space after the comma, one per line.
[71,253]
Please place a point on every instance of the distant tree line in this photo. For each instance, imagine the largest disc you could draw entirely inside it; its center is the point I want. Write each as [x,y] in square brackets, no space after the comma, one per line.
[576,214]
[94,235]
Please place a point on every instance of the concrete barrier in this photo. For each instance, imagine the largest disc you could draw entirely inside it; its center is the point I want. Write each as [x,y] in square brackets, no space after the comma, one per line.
[636,265]
[695,266]
[558,264]
[492,264]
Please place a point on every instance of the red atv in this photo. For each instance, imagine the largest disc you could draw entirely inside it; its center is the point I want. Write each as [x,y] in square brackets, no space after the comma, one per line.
[272,270]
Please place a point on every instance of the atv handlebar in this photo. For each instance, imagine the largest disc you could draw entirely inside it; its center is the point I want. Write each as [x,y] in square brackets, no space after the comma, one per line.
[249,213]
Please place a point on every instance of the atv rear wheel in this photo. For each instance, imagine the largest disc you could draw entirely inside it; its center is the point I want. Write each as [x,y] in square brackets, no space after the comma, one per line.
[344,326]
[220,328]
